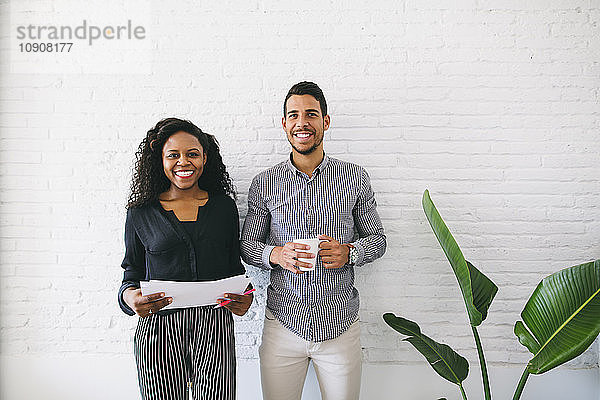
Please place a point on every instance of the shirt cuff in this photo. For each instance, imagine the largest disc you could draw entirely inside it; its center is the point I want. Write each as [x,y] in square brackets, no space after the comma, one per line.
[266,257]
[126,309]
[361,254]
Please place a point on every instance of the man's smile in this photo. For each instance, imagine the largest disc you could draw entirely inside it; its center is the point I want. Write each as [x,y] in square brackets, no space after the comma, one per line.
[303,135]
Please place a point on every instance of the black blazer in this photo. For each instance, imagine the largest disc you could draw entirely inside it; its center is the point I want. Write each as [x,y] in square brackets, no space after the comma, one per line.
[157,246]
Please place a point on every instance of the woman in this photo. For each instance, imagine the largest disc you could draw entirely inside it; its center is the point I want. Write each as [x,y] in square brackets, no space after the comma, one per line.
[181,225]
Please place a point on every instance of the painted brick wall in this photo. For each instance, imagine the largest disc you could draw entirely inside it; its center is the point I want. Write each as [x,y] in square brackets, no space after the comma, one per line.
[491,105]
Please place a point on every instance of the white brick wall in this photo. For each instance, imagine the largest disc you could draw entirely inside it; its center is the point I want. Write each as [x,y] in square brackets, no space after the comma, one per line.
[492,105]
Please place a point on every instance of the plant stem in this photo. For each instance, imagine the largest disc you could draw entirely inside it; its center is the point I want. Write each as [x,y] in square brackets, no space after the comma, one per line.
[521,385]
[462,391]
[482,364]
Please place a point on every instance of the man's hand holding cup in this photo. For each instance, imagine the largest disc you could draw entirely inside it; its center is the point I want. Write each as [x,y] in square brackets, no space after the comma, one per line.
[333,253]
[292,256]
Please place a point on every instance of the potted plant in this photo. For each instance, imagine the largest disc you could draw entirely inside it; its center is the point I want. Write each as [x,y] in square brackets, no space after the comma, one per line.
[561,319]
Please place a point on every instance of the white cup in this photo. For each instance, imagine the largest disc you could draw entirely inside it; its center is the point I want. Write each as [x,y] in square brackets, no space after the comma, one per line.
[314,249]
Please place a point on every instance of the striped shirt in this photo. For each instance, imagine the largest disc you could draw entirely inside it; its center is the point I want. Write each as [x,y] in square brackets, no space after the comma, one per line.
[284,204]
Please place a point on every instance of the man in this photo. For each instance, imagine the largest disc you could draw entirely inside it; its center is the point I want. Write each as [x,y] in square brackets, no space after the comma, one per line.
[311,315]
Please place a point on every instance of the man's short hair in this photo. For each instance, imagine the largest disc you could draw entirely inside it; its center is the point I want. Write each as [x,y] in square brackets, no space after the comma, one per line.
[302,88]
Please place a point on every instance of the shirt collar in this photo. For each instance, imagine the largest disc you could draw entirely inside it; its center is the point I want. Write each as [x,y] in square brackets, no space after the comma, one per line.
[320,168]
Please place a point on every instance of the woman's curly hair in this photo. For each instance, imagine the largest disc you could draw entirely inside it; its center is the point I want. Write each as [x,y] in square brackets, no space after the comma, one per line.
[149,179]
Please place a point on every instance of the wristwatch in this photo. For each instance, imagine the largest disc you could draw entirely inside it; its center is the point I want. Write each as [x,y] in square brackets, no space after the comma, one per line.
[352,254]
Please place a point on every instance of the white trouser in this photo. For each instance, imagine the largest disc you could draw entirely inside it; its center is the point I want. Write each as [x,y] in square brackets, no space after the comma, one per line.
[284,358]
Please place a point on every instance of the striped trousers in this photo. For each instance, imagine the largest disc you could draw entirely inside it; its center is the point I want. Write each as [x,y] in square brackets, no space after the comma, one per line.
[192,346]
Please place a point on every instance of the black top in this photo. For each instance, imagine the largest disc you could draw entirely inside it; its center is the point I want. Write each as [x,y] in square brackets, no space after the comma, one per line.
[159,246]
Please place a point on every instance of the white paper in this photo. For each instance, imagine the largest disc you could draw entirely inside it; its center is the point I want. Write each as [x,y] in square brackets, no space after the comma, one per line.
[194,294]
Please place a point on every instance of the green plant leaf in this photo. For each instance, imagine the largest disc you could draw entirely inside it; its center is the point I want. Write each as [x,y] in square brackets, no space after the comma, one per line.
[526,338]
[563,314]
[446,362]
[477,289]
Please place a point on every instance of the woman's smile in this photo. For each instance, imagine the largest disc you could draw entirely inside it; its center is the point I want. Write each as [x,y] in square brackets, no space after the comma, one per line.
[184,173]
